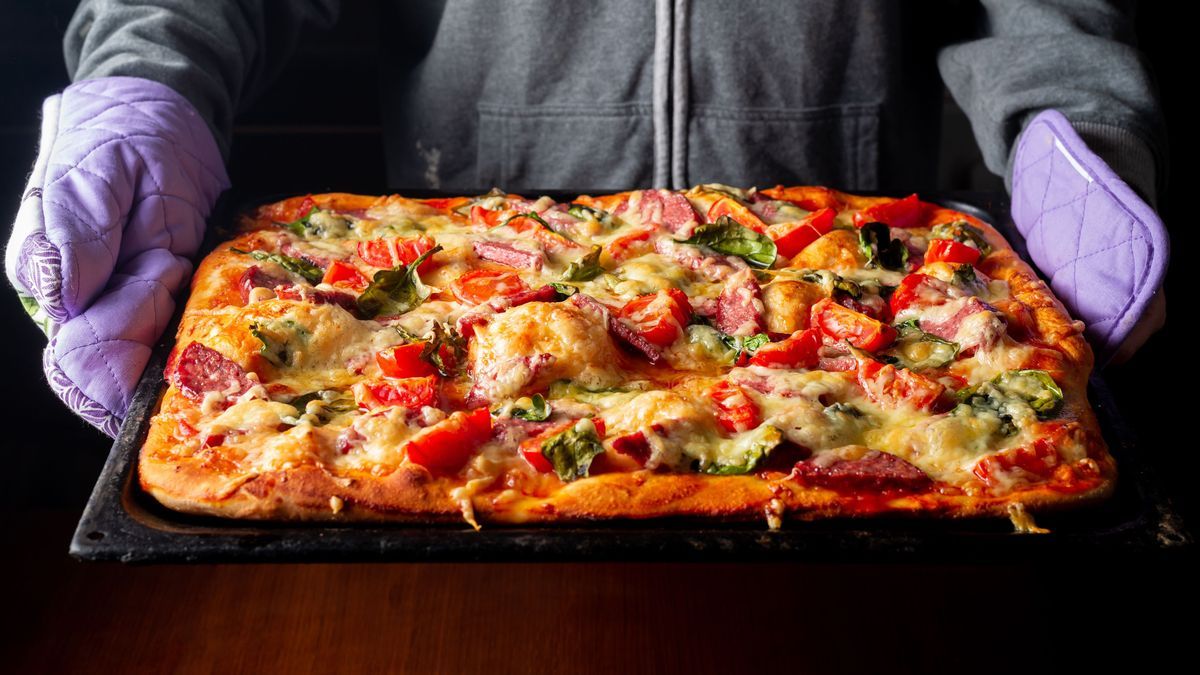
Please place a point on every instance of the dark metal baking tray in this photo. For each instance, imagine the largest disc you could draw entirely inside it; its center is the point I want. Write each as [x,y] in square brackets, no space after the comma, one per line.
[123,523]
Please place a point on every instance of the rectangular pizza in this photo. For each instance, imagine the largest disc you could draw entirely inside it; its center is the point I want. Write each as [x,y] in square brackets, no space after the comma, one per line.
[724,353]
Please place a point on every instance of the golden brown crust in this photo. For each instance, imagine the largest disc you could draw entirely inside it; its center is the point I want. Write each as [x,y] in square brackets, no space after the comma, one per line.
[209,484]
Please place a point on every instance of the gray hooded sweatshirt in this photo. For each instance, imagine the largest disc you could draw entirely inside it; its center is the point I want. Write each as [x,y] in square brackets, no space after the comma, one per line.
[612,94]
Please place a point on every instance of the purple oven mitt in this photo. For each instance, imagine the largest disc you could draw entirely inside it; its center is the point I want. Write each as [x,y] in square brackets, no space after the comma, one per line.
[1103,249]
[126,174]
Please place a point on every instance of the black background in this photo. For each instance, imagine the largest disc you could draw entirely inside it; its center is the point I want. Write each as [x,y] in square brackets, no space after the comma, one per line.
[289,139]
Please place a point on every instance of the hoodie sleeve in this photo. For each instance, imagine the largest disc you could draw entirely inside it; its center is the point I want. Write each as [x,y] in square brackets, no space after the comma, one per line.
[1075,56]
[218,54]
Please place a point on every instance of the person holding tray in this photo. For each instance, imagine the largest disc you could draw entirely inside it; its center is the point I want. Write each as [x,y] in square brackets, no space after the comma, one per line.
[607,95]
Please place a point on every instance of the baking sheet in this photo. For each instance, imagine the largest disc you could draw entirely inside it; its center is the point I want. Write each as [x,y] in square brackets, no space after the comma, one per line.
[123,523]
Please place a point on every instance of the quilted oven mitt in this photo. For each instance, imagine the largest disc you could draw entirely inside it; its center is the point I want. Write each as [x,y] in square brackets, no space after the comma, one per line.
[1103,249]
[115,209]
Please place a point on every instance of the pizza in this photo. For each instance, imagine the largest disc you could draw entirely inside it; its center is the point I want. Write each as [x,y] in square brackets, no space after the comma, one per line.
[716,353]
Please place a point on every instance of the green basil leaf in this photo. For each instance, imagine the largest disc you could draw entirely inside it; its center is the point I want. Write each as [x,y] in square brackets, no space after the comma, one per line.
[832,283]
[1035,387]
[964,233]
[586,268]
[571,452]
[876,243]
[311,273]
[527,214]
[588,213]
[538,411]
[1012,396]
[564,290]
[300,226]
[744,346]
[444,335]
[571,390]
[395,291]
[333,403]
[731,238]
[278,340]
[917,350]
[746,458]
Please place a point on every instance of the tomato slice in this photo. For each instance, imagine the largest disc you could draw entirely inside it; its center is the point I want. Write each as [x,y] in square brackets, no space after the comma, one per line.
[446,203]
[907,212]
[736,411]
[659,317]
[447,445]
[345,274]
[394,251]
[791,238]
[860,330]
[478,286]
[531,448]
[796,351]
[412,393]
[1040,460]
[549,239]
[894,387]
[403,361]
[916,289]
[950,251]
[726,206]
[484,218]
[626,246]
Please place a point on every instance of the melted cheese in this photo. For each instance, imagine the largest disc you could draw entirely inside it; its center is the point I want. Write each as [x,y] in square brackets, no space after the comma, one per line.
[541,342]
[527,348]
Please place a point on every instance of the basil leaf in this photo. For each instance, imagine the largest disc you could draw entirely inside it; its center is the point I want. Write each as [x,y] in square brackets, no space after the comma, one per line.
[742,460]
[832,283]
[277,340]
[571,390]
[964,233]
[444,335]
[876,243]
[300,226]
[917,350]
[333,403]
[311,273]
[1035,387]
[571,452]
[395,291]
[1012,396]
[564,290]
[731,238]
[744,346]
[840,409]
[588,213]
[586,268]
[538,411]
[527,214]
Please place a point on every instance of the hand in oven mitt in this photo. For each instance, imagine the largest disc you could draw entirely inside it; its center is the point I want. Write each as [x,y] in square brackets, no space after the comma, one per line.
[126,174]
[1103,249]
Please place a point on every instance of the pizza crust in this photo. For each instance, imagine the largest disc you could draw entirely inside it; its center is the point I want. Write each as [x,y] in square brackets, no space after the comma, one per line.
[203,484]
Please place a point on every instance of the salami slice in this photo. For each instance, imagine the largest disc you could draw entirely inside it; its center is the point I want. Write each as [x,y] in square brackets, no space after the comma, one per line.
[669,210]
[200,370]
[254,277]
[740,306]
[507,254]
[873,472]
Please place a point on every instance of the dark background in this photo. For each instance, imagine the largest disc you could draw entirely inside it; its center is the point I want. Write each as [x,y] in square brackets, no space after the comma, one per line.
[768,613]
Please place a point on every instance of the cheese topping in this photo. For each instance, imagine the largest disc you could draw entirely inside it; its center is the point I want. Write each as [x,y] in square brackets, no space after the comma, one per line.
[331,385]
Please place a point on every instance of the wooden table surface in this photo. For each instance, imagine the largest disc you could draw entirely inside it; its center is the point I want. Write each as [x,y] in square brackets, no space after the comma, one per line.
[67,616]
